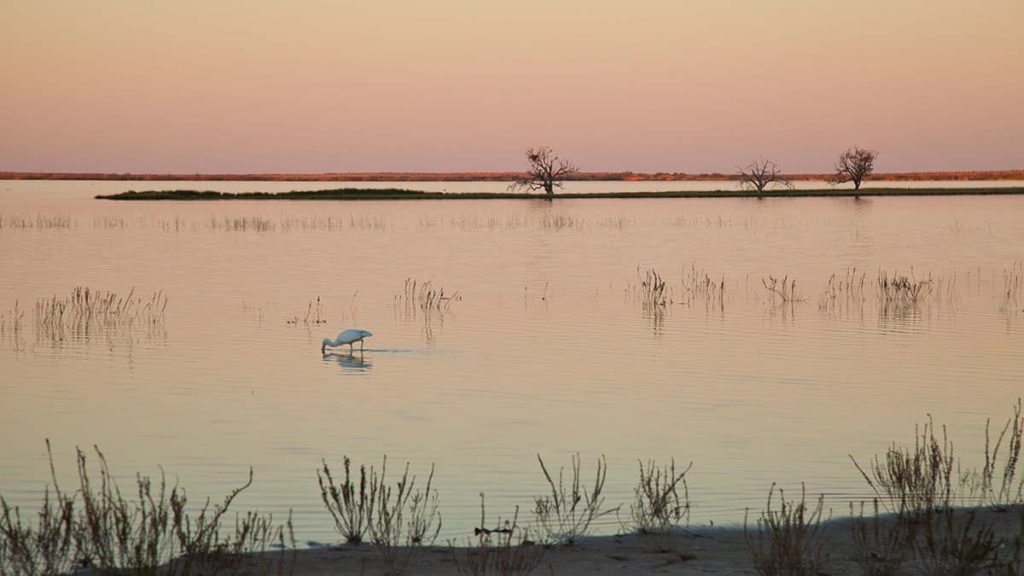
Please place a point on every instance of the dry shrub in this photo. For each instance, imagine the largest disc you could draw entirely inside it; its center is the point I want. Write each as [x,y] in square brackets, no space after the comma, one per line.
[788,541]
[502,551]
[565,515]
[47,547]
[399,519]
[149,532]
[951,543]
[914,480]
[882,544]
[657,505]
[349,505]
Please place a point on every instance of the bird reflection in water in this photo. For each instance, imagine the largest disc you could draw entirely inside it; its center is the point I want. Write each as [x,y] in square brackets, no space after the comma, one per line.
[352,362]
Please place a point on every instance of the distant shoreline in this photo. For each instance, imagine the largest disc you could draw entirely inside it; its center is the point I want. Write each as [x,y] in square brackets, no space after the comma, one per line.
[359,194]
[625,176]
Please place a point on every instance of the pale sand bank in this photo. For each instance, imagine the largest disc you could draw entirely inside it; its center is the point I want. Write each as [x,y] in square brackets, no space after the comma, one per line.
[697,551]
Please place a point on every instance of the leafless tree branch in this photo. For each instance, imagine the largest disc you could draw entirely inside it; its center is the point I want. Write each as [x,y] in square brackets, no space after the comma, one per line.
[760,174]
[853,166]
[546,171]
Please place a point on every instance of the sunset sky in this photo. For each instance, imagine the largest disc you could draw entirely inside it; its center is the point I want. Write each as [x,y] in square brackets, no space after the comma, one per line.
[467,85]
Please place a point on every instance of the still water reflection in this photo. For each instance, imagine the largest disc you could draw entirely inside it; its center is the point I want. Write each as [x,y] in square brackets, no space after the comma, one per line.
[551,348]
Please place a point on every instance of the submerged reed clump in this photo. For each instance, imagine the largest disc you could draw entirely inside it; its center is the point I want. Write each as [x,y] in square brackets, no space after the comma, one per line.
[86,310]
[1013,286]
[901,290]
[100,528]
[241,224]
[843,294]
[39,222]
[314,313]
[652,292]
[657,506]
[12,320]
[788,540]
[424,297]
[697,285]
[565,515]
[783,290]
[504,550]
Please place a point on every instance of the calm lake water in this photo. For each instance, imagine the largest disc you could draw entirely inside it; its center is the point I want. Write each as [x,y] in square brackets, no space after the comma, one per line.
[548,349]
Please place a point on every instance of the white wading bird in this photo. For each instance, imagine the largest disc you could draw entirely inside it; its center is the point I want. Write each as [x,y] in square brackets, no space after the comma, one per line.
[349,337]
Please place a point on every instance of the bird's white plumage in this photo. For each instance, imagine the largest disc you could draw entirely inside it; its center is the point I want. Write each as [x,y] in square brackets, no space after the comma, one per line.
[350,336]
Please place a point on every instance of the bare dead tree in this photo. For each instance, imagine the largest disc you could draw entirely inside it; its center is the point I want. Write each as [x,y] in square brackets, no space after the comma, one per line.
[853,166]
[546,171]
[760,174]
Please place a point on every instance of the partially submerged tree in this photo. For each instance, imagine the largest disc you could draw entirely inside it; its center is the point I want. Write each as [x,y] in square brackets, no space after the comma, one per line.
[760,174]
[853,166]
[546,171]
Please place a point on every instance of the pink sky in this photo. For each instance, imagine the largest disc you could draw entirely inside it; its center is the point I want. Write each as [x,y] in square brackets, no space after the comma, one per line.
[466,85]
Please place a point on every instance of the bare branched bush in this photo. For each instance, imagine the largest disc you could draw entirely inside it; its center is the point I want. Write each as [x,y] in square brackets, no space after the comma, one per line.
[882,544]
[118,533]
[46,547]
[406,519]
[788,540]
[1001,486]
[149,532]
[914,480]
[351,506]
[657,506]
[565,515]
[204,542]
[398,519]
[504,550]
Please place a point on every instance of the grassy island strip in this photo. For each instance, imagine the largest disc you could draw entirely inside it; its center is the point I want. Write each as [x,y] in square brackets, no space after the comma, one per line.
[403,194]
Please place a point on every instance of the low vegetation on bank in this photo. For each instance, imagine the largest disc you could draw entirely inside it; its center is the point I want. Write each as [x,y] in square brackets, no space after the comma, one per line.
[403,194]
[929,512]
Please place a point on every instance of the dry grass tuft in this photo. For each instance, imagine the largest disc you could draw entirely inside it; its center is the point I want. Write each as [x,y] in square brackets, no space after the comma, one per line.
[99,528]
[565,515]
[86,311]
[399,520]
[657,506]
[914,480]
[501,551]
[788,541]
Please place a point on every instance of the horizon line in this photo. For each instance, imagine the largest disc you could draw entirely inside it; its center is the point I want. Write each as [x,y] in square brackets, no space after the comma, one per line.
[497,176]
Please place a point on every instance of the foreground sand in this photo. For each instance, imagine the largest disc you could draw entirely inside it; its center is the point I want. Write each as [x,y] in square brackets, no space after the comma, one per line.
[695,551]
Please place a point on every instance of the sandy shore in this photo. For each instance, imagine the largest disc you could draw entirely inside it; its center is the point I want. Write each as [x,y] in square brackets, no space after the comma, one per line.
[694,551]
